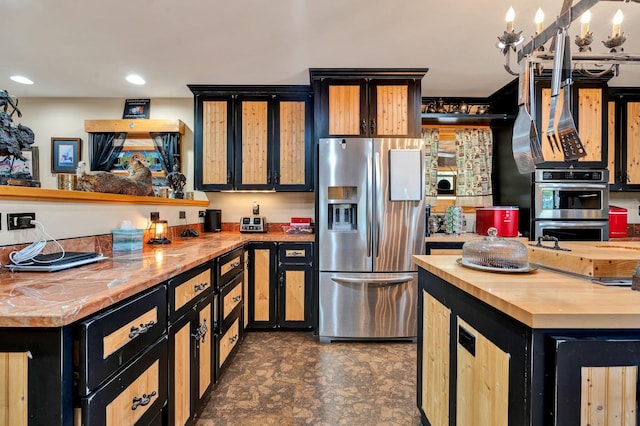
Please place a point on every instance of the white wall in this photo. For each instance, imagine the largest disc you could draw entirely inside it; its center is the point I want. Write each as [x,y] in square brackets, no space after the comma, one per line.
[64,117]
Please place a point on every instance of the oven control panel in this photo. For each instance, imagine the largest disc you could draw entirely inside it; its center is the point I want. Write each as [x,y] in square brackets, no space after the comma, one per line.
[570,175]
[253,224]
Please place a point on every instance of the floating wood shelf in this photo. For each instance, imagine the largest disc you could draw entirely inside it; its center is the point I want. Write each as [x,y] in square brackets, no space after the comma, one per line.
[134,126]
[56,195]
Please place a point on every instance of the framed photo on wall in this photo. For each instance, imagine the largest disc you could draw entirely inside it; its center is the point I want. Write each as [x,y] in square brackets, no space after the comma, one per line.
[65,154]
[14,165]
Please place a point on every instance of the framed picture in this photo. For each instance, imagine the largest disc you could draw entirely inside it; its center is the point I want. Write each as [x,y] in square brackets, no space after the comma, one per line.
[13,165]
[136,108]
[65,154]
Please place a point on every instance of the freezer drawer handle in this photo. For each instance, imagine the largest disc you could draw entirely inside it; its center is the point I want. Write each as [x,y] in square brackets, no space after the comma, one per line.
[377,282]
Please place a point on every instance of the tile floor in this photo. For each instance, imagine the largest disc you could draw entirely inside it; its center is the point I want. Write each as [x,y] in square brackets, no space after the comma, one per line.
[288,378]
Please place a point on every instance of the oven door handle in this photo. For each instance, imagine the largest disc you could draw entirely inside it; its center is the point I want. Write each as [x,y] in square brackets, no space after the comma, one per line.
[373,282]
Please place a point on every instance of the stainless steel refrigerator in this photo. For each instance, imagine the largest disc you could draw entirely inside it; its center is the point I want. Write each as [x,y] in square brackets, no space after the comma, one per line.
[371,221]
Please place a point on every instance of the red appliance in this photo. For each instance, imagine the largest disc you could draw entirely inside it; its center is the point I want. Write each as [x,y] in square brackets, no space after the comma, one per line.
[617,222]
[503,218]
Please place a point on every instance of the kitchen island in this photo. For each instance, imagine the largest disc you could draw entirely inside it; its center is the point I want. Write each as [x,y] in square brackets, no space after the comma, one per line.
[130,301]
[537,348]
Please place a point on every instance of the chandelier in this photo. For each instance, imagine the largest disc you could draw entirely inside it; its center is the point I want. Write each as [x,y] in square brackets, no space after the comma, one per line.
[511,41]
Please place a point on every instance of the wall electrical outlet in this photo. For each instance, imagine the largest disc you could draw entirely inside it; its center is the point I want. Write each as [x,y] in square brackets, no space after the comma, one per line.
[20,221]
[182,215]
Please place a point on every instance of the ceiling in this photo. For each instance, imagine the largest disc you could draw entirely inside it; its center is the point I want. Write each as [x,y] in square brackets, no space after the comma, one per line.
[79,48]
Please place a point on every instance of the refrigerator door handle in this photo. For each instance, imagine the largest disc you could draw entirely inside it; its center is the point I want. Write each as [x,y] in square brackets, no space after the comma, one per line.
[376,194]
[368,205]
[374,282]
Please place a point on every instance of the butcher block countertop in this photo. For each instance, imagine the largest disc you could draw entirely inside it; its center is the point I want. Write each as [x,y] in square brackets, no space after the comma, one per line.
[56,299]
[542,298]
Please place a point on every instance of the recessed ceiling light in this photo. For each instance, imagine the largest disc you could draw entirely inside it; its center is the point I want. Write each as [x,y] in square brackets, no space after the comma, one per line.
[135,79]
[21,79]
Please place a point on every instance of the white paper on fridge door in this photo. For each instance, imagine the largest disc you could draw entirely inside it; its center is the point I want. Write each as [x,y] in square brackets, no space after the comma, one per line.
[405,174]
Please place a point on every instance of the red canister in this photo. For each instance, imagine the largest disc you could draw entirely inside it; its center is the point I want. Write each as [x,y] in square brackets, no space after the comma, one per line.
[617,222]
[503,218]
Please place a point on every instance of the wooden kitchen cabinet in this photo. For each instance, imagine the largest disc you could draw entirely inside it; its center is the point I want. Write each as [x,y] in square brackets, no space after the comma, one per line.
[482,385]
[122,357]
[495,370]
[473,361]
[434,346]
[230,288]
[280,285]
[589,107]
[253,137]
[368,102]
[136,396]
[624,167]
[596,379]
[109,340]
[191,343]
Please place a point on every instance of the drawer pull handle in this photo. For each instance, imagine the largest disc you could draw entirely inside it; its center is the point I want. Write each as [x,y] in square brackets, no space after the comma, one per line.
[294,253]
[236,298]
[233,339]
[146,399]
[200,287]
[201,332]
[235,264]
[136,331]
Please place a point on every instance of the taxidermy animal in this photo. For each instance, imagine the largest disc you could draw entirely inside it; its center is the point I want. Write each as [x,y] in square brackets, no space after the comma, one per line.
[139,181]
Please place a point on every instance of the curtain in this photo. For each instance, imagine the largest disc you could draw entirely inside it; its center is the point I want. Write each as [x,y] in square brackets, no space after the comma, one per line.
[430,137]
[105,148]
[474,149]
[167,145]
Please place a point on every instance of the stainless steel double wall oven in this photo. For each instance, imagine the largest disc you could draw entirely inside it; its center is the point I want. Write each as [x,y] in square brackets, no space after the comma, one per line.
[571,204]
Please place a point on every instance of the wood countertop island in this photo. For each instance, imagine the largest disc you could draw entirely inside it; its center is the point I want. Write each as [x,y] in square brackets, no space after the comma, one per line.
[542,298]
[537,348]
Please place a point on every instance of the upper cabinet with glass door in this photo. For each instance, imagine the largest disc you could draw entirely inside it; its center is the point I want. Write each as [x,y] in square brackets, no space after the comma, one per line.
[367,102]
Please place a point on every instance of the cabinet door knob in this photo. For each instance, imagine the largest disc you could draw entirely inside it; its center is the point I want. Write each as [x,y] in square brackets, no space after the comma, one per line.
[363,126]
[373,126]
[229,176]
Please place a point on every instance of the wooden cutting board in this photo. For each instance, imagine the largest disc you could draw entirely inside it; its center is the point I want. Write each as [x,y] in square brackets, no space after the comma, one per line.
[606,259]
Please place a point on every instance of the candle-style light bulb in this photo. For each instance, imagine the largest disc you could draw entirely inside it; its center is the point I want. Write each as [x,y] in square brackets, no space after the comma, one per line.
[584,20]
[617,21]
[511,14]
[539,19]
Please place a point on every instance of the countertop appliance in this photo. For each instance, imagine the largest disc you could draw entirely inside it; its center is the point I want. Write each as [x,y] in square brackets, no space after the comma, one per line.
[371,221]
[503,218]
[253,224]
[213,221]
